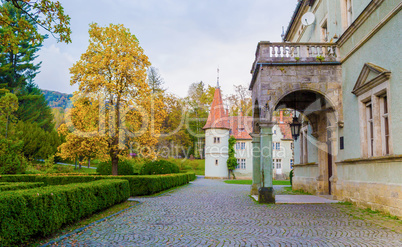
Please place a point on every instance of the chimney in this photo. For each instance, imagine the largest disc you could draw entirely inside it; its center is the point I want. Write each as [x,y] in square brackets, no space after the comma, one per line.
[280,116]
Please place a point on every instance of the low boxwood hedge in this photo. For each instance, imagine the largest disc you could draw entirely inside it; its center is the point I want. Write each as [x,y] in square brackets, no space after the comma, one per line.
[159,167]
[20,186]
[25,214]
[139,185]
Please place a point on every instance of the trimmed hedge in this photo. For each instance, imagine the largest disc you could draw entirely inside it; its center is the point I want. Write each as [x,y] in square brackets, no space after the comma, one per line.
[159,167]
[20,186]
[39,212]
[139,185]
[123,168]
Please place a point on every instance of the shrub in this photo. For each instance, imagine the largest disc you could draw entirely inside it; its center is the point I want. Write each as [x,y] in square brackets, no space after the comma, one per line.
[139,185]
[291,177]
[42,211]
[159,167]
[20,186]
[124,168]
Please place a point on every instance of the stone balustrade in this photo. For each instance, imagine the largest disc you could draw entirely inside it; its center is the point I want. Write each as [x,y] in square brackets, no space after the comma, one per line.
[268,52]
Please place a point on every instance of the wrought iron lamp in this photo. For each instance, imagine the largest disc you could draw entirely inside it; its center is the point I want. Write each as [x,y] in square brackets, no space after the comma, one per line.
[295,127]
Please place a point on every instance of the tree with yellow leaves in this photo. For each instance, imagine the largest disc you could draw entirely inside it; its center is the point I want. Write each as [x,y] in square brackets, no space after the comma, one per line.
[81,131]
[113,71]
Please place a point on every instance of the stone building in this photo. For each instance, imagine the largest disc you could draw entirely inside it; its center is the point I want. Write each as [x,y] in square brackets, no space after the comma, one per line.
[220,126]
[339,67]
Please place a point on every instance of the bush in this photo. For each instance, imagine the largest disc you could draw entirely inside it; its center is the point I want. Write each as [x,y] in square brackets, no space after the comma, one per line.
[139,185]
[20,186]
[124,168]
[40,212]
[159,167]
[291,177]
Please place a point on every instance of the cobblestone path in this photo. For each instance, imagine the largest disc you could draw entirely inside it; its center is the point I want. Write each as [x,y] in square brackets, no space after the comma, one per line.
[212,213]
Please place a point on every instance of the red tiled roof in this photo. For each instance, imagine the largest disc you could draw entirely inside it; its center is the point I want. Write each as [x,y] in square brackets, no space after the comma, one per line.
[241,127]
[218,118]
[284,126]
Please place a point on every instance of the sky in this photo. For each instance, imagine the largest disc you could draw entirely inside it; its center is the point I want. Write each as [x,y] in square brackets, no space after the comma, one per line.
[186,40]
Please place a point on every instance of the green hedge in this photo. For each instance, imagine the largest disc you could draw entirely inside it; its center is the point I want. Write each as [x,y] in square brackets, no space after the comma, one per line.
[139,185]
[25,214]
[20,186]
[159,167]
[124,168]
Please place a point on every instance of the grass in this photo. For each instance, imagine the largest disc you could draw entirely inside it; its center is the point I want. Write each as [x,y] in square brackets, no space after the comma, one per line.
[249,182]
[86,221]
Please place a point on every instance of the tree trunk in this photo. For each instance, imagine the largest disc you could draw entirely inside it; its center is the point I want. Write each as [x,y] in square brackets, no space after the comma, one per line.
[115,162]
[75,163]
[79,163]
[89,162]
[115,142]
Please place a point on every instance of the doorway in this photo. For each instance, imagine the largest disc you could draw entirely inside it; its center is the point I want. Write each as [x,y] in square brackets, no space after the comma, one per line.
[329,160]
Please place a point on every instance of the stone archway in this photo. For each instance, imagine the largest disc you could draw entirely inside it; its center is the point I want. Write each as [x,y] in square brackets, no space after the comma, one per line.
[318,92]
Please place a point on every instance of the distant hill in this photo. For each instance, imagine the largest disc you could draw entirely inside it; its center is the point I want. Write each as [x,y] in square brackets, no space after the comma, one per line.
[57,99]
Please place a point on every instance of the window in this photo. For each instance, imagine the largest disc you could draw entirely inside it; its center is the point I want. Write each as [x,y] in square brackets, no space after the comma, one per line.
[303,146]
[216,162]
[370,128]
[217,140]
[237,145]
[277,163]
[278,146]
[347,13]
[274,132]
[384,124]
[324,32]
[241,164]
[242,145]
[291,163]
[372,89]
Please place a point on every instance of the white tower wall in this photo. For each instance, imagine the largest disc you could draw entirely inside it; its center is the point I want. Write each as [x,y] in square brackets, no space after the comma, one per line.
[216,153]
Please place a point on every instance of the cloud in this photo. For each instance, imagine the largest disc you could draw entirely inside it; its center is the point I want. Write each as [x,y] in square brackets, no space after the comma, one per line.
[186,40]
[54,73]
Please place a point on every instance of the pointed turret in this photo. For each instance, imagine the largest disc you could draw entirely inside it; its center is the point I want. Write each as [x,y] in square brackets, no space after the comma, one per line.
[218,118]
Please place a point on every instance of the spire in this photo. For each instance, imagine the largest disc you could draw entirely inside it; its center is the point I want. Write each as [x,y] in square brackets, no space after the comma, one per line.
[218,79]
[218,117]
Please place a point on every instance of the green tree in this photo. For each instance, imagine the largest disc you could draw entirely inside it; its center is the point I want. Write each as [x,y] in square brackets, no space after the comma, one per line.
[8,105]
[232,161]
[17,72]
[34,108]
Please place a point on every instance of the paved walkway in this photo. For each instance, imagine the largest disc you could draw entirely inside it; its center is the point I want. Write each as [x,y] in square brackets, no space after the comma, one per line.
[212,213]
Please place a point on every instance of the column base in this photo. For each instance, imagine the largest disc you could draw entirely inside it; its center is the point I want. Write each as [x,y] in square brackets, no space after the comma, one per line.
[266,195]
[254,189]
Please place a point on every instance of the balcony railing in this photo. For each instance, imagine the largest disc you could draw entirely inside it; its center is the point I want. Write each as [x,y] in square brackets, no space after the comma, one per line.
[296,52]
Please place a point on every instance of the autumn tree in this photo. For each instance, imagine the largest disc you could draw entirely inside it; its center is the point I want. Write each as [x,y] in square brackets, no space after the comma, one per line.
[155,80]
[198,101]
[45,13]
[240,101]
[175,137]
[113,70]
[82,140]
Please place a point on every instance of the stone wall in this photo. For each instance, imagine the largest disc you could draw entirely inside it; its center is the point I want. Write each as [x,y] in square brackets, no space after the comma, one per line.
[305,177]
[371,183]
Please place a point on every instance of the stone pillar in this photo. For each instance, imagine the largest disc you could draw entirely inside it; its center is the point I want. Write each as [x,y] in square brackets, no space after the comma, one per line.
[266,191]
[256,164]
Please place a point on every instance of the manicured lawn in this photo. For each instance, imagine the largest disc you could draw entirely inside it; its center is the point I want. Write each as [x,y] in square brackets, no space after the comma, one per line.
[238,181]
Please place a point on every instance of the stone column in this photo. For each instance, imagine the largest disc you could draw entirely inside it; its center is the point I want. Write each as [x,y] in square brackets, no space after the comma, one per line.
[266,191]
[256,164]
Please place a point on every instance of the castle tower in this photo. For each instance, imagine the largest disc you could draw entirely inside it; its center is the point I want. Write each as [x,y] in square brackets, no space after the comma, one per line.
[216,139]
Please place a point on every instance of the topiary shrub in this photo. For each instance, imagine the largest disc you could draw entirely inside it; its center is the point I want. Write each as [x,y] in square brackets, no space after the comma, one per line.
[124,168]
[159,167]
